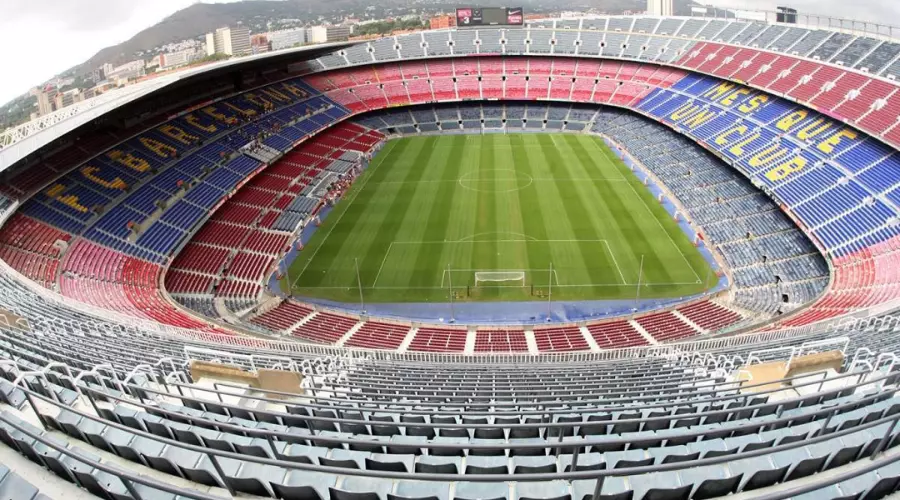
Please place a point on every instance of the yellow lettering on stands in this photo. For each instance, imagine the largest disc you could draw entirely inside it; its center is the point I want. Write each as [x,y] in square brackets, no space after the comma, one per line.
[293,89]
[718,91]
[785,169]
[723,138]
[684,111]
[178,134]
[814,128]
[730,98]
[70,200]
[738,149]
[274,94]
[196,123]
[258,100]
[161,149]
[792,119]
[699,119]
[129,160]
[213,112]
[89,173]
[767,155]
[827,146]
[245,112]
[754,103]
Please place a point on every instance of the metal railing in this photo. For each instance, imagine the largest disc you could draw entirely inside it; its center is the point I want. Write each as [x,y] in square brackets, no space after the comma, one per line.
[573,474]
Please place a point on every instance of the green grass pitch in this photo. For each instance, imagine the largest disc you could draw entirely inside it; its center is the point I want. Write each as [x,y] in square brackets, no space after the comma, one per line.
[431,211]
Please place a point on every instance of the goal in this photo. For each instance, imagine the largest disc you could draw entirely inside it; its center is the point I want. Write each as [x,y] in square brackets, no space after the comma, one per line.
[483,278]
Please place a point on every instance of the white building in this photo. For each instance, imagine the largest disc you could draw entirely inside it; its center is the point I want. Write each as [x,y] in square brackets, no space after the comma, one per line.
[660,7]
[127,71]
[179,58]
[324,34]
[210,44]
[229,41]
[285,39]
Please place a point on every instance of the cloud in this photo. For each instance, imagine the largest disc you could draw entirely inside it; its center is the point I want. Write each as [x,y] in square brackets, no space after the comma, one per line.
[70,15]
[50,36]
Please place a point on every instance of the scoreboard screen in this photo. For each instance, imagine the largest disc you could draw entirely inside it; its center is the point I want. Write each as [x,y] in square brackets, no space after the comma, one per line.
[489,16]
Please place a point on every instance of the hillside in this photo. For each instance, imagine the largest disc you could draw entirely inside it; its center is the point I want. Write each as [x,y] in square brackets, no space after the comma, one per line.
[202,18]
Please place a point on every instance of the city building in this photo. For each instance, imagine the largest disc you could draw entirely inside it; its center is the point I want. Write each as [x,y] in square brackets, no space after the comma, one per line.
[324,34]
[127,71]
[46,99]
[179,58]
[284,39]
[442,21]
[68,98]
[259,43]
[210,44]
[229,41]
[660,7]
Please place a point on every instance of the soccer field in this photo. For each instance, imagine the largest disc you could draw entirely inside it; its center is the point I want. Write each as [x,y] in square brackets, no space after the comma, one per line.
[500,217]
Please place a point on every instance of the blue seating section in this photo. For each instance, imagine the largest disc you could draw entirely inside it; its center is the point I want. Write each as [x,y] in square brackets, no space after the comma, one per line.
[831,176]
[196,154]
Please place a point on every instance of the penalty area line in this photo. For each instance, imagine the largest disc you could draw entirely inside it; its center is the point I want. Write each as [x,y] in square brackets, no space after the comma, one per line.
[382,263]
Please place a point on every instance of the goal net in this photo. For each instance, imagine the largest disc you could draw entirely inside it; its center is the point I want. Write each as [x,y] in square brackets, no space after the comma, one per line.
[483,278]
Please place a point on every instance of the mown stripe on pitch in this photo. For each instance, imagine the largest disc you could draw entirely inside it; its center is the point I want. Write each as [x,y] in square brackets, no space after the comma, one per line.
[577,212]
[429,257]
[531,211]
[484,255]
[389,229]
[619,232]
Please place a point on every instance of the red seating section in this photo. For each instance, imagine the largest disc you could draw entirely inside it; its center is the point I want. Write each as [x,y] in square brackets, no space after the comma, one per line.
[373,335]
[567,338]
[709,316]
[103,277]
[665,326]
[27,245]
[500,341]
[615,334]
[439,340]
[283,317]
[325,327]
[864,279]
[427,81]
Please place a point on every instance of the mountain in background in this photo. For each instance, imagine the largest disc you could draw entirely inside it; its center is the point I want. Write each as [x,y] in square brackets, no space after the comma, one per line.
[258,15]
[201,18]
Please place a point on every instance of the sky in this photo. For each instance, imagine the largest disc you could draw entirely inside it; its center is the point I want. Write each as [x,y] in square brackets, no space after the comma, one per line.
[45,37]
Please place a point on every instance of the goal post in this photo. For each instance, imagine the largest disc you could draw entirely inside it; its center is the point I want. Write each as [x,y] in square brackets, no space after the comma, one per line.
[487,278]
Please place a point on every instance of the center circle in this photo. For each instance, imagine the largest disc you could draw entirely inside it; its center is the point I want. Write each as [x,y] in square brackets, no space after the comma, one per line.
[496,180]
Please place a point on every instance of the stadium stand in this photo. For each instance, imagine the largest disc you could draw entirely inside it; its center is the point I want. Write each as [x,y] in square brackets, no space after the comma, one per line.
[97,381]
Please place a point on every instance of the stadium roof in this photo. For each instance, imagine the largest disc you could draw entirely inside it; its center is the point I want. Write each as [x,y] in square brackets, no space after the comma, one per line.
[18,142]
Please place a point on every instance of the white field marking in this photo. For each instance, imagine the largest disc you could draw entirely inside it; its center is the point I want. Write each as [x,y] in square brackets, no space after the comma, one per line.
[382,263]
[658,223]
[527,271]
[553,138]
[525,237]
[586,285]
[535,179]
[433,242]
[608,249]
[355,196]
